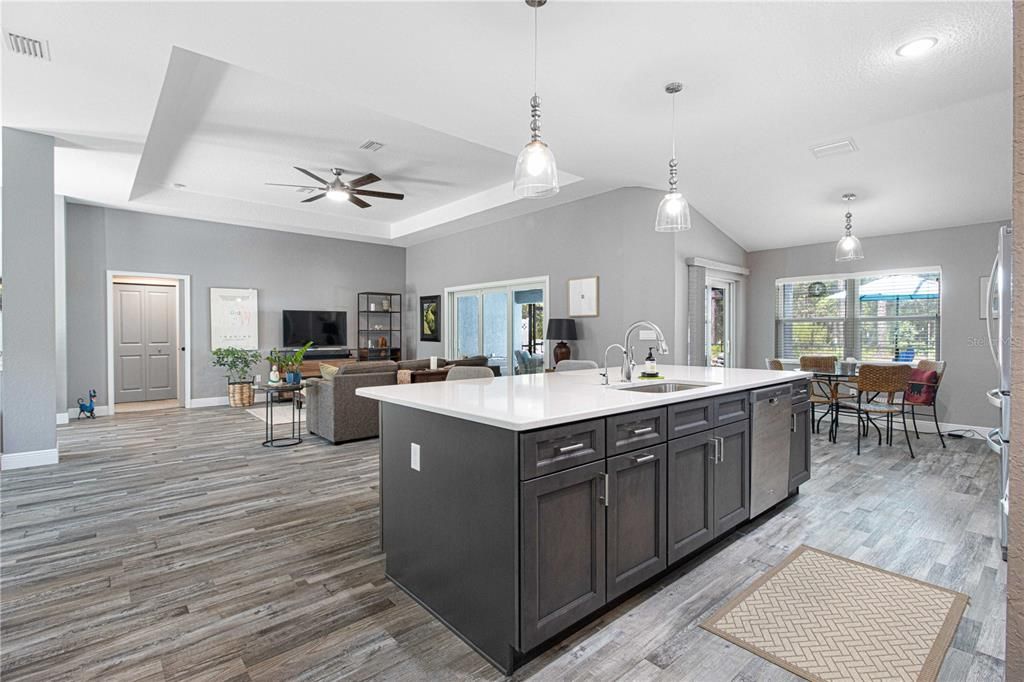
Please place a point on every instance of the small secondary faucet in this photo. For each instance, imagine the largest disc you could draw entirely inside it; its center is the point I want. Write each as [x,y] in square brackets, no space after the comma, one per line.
[614,345]
[627,355]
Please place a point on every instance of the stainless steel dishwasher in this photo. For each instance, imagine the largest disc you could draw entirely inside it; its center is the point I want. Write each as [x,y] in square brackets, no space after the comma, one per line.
[769,446]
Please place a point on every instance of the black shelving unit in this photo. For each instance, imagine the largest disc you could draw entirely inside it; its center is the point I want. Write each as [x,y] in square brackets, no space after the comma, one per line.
[380,326]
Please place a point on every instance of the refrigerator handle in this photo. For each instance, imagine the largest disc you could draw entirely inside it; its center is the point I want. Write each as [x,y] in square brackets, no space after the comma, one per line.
[988,314]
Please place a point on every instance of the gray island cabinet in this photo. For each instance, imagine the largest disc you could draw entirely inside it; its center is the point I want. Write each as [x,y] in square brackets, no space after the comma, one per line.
[511,535]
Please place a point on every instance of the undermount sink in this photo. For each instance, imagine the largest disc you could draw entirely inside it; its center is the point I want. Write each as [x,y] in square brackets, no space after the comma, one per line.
[667,387]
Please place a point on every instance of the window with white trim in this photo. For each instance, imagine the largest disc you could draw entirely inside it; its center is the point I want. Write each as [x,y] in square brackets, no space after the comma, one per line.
[890,315]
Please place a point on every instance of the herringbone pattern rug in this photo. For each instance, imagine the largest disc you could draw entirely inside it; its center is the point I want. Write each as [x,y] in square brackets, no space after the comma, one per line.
[824,617]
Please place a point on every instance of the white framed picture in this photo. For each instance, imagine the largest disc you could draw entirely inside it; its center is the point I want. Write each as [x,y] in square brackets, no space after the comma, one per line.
[984,300]
[234,319]
[584,297]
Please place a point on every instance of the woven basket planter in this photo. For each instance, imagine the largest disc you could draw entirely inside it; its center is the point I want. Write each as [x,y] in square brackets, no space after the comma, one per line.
[240,395]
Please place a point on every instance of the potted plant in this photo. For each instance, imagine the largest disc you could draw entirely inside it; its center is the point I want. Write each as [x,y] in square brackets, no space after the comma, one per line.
[238,363]
[294,364]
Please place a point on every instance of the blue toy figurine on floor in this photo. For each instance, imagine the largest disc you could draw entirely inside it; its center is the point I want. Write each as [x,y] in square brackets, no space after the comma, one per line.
[88,408]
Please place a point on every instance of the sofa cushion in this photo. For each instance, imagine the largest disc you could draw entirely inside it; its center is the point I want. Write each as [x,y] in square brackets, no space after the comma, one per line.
[327,371]
[423,363]
[369,367]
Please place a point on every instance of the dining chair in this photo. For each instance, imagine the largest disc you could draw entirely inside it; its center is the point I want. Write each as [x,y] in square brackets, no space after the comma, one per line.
[573,365]
[461,372]
[880,384]
[923,391]
[774,363]
[822,391]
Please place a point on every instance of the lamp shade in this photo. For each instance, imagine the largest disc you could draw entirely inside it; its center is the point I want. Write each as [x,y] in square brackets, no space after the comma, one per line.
[561,329]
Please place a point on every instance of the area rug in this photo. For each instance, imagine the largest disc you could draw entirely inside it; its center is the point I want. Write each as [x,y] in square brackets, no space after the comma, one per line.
[282,414]
[824,617]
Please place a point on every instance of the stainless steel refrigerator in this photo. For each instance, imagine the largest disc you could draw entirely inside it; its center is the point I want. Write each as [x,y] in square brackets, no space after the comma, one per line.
[997,316]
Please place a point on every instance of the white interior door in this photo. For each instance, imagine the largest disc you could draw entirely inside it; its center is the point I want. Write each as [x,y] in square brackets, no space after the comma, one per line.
[145,339]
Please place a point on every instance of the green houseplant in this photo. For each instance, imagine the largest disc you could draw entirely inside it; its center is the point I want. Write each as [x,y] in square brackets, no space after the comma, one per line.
[289,364]
[238,363]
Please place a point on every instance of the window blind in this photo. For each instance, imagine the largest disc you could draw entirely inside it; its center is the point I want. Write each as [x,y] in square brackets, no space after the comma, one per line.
[870,316]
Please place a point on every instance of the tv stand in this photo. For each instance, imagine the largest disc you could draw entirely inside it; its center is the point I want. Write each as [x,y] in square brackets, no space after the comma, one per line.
[328,356]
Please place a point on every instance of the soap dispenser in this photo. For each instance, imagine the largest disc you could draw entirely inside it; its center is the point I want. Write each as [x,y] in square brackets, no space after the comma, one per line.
[650,364]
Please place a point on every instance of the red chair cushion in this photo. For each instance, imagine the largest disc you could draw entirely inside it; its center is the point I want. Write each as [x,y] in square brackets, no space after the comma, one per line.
[921,387]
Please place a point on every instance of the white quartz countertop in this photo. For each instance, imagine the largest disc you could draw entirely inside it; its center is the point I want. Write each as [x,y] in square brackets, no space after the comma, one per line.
[533,401]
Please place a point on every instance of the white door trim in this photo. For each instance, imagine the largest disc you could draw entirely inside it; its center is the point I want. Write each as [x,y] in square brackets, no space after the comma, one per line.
[446,308]
[186,285]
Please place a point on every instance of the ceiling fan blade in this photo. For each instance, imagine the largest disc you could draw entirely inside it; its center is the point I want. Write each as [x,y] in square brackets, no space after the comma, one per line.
[313,198]
[357,201]
[363,180]
[379,195]
[312,175]
[279,184]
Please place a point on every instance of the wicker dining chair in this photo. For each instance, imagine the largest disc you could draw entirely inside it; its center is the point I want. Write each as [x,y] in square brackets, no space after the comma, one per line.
[882,383]
[925,393]
[821,392]
[773,363]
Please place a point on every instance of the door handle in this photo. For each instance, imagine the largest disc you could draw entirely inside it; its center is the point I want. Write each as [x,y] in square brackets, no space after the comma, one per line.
[721,448]
[604,498]
[792,418]
[642,431]
[641,460]
[570,448]
[714,455]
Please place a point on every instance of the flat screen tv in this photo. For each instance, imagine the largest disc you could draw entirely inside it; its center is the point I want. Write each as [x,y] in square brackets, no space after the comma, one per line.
[322,327]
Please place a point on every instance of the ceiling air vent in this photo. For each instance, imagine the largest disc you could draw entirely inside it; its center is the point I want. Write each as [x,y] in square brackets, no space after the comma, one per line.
[27,47]
[846,146]
[372,146]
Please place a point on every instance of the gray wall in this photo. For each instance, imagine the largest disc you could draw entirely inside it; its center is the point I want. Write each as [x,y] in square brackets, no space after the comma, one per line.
[964,253]
[611,235]
[289,270]
[29,343]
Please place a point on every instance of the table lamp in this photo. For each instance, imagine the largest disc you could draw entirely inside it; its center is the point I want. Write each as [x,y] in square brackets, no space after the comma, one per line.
[561,330]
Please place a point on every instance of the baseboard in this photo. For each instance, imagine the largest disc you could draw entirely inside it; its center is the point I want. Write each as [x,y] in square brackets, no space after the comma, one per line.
[210,402]
[925,425]
[34,458]
[101,411]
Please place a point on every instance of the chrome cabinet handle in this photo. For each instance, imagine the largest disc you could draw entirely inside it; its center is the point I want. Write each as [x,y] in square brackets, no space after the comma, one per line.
[792,418]
[571,448]
[640,432]
[721,449]
[714,455]
[604,498]
[641,460]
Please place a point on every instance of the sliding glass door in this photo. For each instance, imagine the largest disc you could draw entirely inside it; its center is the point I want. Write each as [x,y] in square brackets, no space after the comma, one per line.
[502,321]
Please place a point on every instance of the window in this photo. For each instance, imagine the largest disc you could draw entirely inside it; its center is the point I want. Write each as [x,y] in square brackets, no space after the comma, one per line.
[869,316]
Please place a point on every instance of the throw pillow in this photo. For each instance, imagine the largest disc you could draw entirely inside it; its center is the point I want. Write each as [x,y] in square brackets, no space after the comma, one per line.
[327,371]
[921,387]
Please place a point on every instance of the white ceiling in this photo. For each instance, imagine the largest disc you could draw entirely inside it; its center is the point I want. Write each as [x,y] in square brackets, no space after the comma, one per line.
[255,88]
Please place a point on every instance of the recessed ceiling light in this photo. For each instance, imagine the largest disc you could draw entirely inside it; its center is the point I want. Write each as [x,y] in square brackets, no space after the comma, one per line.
[916,48]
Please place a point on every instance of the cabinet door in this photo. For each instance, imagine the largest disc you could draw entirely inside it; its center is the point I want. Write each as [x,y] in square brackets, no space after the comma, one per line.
[732,477]
[800,446]
[563,550]
[690,493]
[636,518]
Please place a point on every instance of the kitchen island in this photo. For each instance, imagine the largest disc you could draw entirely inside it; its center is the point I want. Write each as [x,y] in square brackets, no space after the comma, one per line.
[514,508]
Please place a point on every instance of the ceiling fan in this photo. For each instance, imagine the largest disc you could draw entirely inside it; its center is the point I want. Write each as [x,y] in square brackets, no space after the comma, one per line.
[342,190]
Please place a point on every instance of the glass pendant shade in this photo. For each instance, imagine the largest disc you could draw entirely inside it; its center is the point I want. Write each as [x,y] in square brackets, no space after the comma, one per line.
[848,248]
[673,214]
[536,173]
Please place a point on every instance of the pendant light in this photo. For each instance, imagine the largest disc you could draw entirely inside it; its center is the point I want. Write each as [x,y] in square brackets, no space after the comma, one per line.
[849,247]
[673,211]
[536,175]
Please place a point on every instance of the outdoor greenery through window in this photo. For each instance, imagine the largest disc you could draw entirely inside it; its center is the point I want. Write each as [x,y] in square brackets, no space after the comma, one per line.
[868,316]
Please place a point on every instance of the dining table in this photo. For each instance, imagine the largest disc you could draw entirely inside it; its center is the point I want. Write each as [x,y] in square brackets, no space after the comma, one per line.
[844,373]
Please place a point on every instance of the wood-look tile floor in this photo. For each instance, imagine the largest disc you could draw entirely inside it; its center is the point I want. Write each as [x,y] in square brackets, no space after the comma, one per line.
[172,546]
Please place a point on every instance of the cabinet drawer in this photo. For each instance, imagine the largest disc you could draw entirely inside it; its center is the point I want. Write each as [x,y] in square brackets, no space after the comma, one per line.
[801,391]
[731,408]
[636,430]
[550,450]
[692,417]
